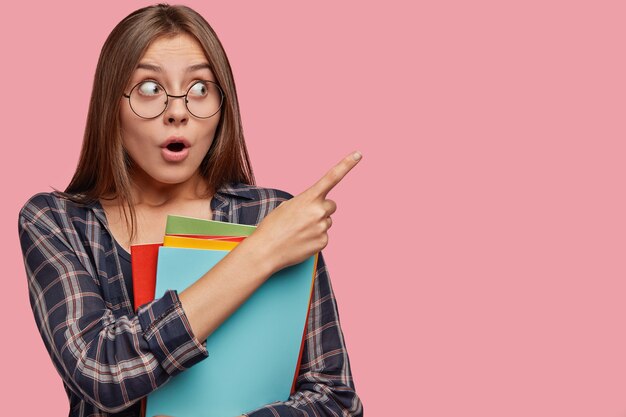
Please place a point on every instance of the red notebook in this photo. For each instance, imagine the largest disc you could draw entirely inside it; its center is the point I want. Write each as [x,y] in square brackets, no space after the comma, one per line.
[143,261]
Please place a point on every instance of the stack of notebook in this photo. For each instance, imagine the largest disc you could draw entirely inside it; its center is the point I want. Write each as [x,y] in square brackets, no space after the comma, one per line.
[254,355]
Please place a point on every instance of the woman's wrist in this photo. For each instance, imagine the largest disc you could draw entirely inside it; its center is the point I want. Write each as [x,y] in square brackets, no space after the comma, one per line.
[260,254]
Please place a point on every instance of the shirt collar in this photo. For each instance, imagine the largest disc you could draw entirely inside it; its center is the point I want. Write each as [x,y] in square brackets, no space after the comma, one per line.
[236,190]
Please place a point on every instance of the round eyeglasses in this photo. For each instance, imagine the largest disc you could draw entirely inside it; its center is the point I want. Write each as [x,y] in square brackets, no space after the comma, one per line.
[148,99]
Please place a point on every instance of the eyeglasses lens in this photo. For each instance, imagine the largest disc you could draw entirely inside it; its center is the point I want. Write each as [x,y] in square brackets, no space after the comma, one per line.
[149,99]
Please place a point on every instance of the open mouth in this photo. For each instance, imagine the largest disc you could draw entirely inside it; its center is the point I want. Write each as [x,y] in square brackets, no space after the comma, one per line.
[176,146]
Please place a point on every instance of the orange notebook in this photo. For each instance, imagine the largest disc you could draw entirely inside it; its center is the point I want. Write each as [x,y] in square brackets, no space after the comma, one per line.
[194,243]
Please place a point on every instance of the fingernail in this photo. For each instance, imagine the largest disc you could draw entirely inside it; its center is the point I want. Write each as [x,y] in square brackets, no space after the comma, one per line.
[357,155]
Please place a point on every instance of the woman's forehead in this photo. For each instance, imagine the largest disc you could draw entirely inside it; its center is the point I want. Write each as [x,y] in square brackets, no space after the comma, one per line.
[172,52]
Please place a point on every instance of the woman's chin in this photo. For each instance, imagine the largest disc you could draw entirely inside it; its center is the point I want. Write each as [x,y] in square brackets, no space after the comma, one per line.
[175,179]
[165,177]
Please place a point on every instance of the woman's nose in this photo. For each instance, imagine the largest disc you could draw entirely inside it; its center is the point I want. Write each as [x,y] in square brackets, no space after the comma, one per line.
[176,112]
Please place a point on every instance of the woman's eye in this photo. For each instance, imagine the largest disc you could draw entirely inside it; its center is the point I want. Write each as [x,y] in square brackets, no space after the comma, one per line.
[199,89]
[149,88]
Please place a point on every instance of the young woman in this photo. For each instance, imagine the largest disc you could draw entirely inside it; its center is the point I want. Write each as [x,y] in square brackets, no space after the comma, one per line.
[164,136]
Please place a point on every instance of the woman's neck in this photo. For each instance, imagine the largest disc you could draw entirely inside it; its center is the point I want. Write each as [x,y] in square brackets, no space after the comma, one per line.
[146,191]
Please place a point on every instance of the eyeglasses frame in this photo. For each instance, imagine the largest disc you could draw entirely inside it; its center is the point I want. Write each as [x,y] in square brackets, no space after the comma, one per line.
[168,96]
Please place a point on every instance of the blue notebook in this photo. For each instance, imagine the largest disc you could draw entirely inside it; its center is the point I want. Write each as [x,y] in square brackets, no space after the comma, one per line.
[253,355]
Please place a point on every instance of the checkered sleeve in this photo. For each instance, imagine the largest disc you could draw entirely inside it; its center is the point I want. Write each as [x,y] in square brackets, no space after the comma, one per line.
[110,362]
[324,386]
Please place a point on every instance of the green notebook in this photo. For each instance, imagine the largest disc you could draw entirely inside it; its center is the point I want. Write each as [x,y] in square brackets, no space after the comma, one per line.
[180,225]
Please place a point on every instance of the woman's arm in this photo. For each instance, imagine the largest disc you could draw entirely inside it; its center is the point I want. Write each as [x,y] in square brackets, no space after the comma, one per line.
[324,386]
[112,362]
[289,234]
[109,362]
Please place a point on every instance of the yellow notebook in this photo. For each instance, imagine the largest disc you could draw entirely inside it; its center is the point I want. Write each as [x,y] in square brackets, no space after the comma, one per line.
[193,243]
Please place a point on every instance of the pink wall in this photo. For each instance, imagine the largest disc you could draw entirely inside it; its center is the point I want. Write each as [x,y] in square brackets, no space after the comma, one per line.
[478,250]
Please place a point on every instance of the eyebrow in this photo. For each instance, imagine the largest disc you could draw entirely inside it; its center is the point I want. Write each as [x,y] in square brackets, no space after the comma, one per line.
[156,68]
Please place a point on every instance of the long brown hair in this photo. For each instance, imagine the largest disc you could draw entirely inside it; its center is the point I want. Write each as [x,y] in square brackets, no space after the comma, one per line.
[103,167]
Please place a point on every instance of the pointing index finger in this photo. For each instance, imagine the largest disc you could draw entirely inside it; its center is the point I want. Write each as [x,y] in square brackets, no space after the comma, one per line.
[322,187]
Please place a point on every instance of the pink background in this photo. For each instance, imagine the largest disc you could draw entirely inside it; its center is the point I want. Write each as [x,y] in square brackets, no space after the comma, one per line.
[478,251]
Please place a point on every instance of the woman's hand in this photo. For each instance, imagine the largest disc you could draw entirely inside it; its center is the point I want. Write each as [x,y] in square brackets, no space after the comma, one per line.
[298,227]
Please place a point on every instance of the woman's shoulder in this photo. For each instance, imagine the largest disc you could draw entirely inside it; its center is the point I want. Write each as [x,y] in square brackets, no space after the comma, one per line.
[254,192]
[46,207]
[250,203]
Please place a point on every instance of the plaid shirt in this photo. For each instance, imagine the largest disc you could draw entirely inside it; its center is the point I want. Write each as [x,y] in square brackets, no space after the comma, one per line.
[109,357]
